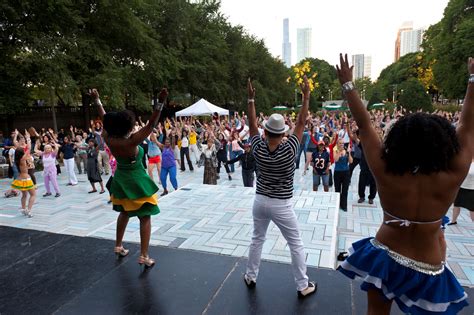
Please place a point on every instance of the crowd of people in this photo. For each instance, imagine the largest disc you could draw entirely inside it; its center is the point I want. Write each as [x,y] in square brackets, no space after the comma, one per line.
[399,154]
[330,145]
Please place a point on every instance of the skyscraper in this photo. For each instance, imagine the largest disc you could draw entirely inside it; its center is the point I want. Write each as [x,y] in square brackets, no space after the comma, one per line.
[362,66]
[303,43]
[406,26]
[410,41]
[286,47]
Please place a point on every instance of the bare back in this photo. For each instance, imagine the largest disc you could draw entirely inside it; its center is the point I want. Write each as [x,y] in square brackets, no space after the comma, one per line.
[421,198]
[122,147]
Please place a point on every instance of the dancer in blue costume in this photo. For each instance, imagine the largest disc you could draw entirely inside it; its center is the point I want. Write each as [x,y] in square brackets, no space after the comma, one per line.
[418,169]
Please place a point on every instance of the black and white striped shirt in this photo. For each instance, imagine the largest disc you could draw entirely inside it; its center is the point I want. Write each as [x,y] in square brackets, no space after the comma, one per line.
[276,169]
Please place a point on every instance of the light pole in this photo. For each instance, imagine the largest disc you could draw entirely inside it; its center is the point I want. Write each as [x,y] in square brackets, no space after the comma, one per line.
[394,92]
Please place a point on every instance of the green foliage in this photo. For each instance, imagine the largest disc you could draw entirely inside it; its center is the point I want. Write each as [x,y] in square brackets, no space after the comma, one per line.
[449,43]
[128,49]
[451,108]
[414,96]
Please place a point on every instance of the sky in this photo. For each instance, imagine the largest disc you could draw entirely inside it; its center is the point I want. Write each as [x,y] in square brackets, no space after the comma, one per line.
[349,26]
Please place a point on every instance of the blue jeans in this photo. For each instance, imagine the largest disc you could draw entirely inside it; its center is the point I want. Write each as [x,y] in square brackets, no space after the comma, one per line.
[164,174]
[233,155]
[16,173]
[298,155]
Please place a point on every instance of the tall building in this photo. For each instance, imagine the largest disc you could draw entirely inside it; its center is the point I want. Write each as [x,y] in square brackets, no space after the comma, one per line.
[362,66]
[410,41]
[367,66]
[286,47]
[303,43]
[406,26]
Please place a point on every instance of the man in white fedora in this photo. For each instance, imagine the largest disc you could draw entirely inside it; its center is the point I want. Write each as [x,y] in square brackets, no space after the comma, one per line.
[276,169]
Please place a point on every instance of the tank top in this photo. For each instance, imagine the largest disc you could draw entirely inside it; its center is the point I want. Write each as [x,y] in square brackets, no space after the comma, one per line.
[49,161]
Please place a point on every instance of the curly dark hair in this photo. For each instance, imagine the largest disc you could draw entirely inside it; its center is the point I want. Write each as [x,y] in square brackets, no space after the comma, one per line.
[19,153]
[420,143]
[119,124]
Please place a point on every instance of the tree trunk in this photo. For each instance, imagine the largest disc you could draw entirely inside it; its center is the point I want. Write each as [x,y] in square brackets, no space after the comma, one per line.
[52,102]
[85,99]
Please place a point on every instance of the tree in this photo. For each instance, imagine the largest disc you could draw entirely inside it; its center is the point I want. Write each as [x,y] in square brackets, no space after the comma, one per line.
[413,96]
[448,44]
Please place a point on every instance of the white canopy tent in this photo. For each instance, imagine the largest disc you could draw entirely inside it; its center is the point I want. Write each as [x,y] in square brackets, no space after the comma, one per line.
[202,108]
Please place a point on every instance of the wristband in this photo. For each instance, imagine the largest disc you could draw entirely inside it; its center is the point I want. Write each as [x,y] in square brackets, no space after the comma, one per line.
[158,106]
[251,100]
[348,86]
[471,78]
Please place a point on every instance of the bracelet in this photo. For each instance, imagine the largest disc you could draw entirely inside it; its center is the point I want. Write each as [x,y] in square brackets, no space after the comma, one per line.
[471,78]
[251,100]
[158,106]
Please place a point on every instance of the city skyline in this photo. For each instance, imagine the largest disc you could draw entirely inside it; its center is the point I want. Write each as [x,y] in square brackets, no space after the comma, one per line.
[333,28]
[286,46]
[303,43]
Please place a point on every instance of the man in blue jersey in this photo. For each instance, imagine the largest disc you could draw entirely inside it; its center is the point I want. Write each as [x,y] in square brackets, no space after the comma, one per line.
[320,161]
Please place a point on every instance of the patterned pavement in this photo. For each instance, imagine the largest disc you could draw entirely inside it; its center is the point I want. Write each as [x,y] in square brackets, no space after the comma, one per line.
[218,219]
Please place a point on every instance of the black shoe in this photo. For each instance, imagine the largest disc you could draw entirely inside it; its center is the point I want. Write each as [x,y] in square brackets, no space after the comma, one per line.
[57,195]
[453,223]
[361,200]
[249,282]
[47,195]
[312,288]
[230,177]
[342,256]
[164,193]
[371,201]
[345,210]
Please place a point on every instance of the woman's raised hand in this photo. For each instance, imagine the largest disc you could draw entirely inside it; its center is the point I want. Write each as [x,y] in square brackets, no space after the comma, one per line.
[344,72]
[250,90]
[305,89]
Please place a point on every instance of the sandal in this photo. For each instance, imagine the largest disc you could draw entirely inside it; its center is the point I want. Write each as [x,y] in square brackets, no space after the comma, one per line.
[121,252]
[147,261]
[101,192]
[92,191]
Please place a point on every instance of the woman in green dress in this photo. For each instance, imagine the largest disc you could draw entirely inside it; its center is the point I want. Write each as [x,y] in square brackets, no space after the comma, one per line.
[132,191]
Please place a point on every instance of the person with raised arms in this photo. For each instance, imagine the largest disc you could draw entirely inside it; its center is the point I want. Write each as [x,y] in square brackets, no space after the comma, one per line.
[418,169]
[273,200]
[133,192]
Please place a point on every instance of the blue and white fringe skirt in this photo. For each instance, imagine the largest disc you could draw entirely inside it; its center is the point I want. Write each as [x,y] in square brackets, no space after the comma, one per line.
[417,287]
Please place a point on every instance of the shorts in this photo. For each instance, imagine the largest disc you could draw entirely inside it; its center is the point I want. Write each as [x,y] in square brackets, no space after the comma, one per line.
[465,199]
[317,179]
[154,159]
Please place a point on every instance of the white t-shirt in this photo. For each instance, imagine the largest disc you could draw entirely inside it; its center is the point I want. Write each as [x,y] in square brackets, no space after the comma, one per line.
[243,134]
[344,135]
[184,142]
[11,154]
[469,180]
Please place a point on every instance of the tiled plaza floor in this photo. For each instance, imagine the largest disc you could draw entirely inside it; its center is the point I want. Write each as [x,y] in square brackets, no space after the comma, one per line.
[218,219]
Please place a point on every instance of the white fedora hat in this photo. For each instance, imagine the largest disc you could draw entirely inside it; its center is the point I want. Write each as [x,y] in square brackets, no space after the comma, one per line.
[276,124]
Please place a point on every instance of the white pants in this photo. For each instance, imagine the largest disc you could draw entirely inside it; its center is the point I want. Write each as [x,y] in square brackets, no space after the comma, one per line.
[282,214]
[193,149]
[69,164]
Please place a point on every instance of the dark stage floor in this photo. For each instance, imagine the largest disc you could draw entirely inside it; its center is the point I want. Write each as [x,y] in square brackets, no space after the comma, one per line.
[44,273]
